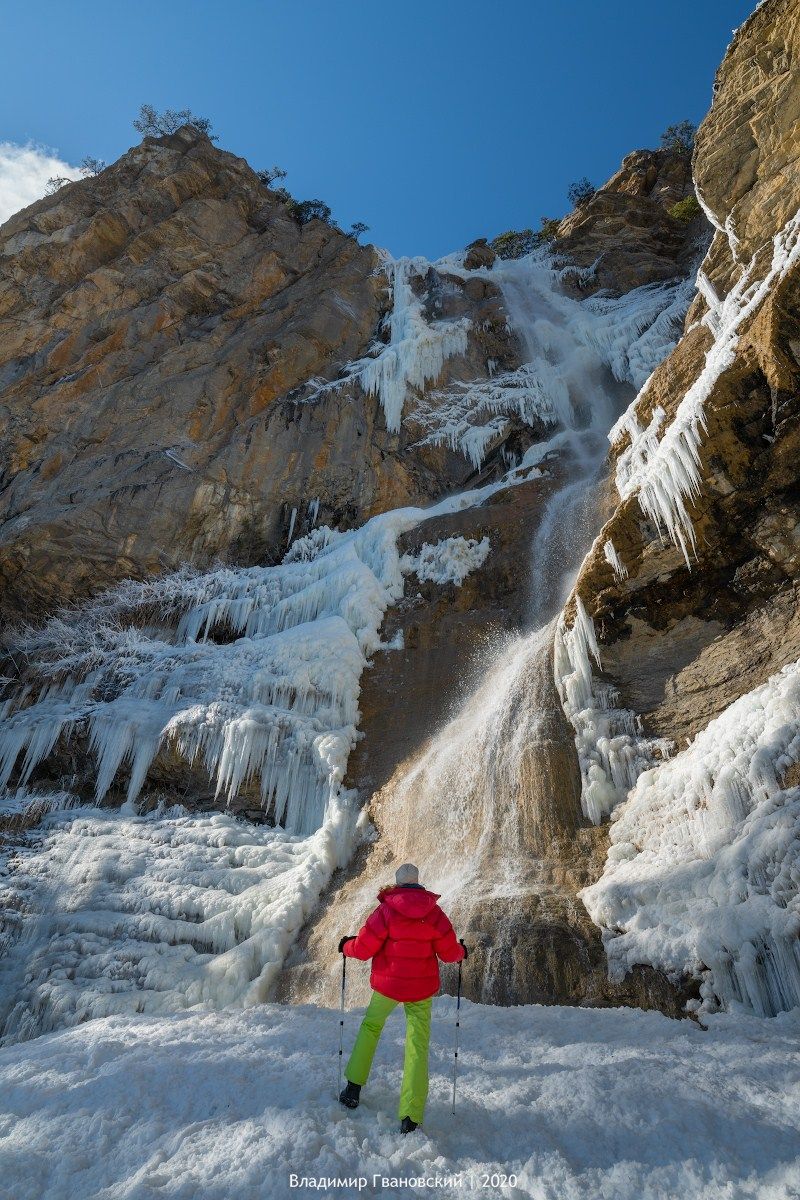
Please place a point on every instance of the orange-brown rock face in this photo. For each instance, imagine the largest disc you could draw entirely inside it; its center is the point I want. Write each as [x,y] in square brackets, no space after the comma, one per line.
[164,331]
[153,320]
[625,231]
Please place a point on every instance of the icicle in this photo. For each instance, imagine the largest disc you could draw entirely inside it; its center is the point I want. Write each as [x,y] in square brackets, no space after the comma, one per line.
[614,560]
[665,472]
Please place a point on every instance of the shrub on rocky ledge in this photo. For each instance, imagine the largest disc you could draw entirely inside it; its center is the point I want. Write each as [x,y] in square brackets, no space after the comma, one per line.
[513,243]
[685,210]
[516,242]
[151,123]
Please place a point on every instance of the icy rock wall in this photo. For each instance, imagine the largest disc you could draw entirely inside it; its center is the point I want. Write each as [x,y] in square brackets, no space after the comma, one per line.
[703,873]
[612,752]
[661,464]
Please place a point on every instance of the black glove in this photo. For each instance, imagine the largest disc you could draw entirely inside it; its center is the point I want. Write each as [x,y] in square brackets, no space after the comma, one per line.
[349,938]
[466,951]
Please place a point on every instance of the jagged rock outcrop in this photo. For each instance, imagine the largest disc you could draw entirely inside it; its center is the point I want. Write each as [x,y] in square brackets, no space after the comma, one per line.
[682,640]
[165,331]
[625,232]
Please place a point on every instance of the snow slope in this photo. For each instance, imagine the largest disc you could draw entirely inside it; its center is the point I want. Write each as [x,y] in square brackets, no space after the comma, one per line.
[601,1104]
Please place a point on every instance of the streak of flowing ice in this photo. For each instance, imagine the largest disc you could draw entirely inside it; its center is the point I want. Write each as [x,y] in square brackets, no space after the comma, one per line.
[417,348]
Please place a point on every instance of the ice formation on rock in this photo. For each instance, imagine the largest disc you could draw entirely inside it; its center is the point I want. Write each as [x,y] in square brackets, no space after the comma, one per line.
[565,341]
[417,348]
[628,334]
[275,697]
[664,471]
[447,561]
[470,417]
[636,331]
[614,560]
[152,913]
[703,873]
[612,752]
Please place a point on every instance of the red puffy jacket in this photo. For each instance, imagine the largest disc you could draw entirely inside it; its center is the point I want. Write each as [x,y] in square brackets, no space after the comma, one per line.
[405,937]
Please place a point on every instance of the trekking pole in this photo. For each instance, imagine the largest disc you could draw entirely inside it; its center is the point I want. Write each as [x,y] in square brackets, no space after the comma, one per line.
[341,1024]
[458,1024]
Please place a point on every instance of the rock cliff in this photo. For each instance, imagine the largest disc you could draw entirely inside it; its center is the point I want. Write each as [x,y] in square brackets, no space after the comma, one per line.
[624,233]
[191,377]
[166,333]
[684,635]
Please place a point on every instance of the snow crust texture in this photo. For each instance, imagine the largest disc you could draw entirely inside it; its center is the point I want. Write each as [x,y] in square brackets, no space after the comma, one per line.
[569,1103]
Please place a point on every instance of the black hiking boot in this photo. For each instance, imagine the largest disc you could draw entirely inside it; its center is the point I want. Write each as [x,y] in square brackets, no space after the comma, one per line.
[349,1096]
[407,1125]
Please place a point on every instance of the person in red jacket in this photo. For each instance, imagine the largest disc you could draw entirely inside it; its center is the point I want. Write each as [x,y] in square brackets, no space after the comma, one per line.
[405,937]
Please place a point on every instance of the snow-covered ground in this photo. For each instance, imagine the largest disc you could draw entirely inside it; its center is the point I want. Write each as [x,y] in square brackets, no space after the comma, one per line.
[604,1104]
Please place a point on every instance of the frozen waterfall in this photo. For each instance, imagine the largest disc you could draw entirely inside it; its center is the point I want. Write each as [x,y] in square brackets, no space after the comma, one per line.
[252,676]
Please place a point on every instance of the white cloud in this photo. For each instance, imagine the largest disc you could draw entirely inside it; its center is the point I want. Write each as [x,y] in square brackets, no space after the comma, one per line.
[24,172]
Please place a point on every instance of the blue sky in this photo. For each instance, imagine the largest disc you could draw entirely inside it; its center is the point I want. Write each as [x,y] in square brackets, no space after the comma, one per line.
[435,122]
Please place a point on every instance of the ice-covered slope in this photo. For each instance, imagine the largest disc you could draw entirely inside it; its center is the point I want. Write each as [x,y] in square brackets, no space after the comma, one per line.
[560,1102]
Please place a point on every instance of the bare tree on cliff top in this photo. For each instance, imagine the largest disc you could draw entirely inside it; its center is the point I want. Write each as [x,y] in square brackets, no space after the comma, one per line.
[151,123]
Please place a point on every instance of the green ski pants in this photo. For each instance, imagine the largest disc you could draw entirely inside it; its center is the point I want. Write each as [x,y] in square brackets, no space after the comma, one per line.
[414,1091]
